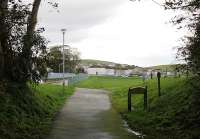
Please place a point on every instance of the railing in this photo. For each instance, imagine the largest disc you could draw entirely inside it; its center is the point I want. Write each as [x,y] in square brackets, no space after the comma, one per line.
[70,78]
[77,78]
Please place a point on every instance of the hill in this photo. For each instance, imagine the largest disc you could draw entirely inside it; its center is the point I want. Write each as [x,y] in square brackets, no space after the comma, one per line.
[96,62]
[170,67]
[105,64]
[100,63]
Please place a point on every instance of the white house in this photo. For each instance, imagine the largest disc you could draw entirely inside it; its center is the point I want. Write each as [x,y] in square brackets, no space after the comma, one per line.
[108,72]
[100,71]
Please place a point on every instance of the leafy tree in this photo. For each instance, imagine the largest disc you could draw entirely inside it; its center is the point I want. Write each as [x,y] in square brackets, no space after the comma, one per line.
[190,19]
[118,67]
[55,60]
[80,70]
[22,48]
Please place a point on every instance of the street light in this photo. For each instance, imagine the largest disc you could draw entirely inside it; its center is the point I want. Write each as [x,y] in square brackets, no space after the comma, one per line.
[63,31]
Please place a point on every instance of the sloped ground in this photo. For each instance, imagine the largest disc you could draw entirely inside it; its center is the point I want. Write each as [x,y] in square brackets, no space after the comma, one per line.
[27,112]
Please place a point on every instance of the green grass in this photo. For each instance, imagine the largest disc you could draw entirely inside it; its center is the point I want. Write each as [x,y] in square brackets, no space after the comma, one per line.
[117,85]
[28,112]
[176,114]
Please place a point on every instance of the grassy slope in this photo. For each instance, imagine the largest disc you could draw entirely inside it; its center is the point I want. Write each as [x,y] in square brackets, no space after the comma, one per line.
[91,61]
[176,114]
[28,113]
[163,67]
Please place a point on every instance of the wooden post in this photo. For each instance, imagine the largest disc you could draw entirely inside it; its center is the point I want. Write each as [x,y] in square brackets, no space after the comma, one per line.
[159,75]
[145,98]
[129,100]
[151,75]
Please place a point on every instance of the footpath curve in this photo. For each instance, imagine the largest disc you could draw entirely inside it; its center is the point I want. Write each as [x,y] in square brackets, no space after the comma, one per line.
[88,115]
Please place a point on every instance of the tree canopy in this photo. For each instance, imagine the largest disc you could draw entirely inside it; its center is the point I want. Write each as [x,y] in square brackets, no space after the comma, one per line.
[55,59]
[190,19]
[22,48]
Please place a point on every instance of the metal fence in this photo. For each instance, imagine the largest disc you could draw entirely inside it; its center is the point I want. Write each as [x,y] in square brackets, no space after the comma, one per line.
[77,78]
[55,76]
[70,78]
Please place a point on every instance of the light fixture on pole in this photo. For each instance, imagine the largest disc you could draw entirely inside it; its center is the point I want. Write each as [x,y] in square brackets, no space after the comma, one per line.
[63,31]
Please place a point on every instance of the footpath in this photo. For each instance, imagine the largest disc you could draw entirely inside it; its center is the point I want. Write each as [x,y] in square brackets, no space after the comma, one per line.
[88,115]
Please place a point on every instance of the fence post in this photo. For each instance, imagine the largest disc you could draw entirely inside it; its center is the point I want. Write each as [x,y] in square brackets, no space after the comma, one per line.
[129,100]
[145,98]
[159,75]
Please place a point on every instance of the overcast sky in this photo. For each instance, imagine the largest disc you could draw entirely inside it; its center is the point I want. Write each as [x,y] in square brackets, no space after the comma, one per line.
[136,33]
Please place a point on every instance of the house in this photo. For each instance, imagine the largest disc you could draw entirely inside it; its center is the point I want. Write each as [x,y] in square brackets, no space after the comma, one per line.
[108,71]
[100,71]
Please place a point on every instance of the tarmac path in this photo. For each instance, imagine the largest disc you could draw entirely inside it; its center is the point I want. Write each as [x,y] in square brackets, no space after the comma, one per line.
[88,115]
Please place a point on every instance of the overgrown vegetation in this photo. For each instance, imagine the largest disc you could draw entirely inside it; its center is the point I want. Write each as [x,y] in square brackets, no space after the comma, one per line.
[28,113]
[190,19]
[176,114]
[21,46]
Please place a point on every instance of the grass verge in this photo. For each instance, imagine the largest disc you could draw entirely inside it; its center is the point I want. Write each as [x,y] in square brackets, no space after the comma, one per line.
[176,114]
[27,113]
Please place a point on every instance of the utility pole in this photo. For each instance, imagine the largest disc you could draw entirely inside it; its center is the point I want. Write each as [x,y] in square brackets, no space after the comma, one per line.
[63,31]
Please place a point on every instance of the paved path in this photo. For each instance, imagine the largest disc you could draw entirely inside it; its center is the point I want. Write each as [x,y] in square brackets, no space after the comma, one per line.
[88,115]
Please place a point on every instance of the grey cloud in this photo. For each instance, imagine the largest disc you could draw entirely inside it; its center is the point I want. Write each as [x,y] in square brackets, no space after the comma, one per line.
[77,16]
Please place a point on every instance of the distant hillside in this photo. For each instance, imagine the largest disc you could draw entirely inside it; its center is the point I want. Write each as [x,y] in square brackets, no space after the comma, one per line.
[110,65]
[169,67]
[105,64]
[95,62]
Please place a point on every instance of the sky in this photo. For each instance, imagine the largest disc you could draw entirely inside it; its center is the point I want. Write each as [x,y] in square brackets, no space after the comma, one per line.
[135,33]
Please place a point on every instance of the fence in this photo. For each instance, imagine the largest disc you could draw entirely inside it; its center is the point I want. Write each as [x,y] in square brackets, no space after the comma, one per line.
[70,78]
[77,78]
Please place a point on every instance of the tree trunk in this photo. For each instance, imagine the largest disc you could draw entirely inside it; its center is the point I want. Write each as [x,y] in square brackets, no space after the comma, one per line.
[32,21]
[28,39]
[33,17]
[3,36]
[1,61]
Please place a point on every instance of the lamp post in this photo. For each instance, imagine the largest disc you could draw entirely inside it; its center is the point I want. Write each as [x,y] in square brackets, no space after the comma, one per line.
[63,31]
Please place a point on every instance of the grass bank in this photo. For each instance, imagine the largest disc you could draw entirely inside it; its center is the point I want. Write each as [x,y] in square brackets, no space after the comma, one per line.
[176,114]
[27,112]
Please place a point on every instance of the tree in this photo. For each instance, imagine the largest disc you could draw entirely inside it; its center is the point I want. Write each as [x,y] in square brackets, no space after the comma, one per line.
[191,19]
[3,34]
[55,59]
[22,48]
